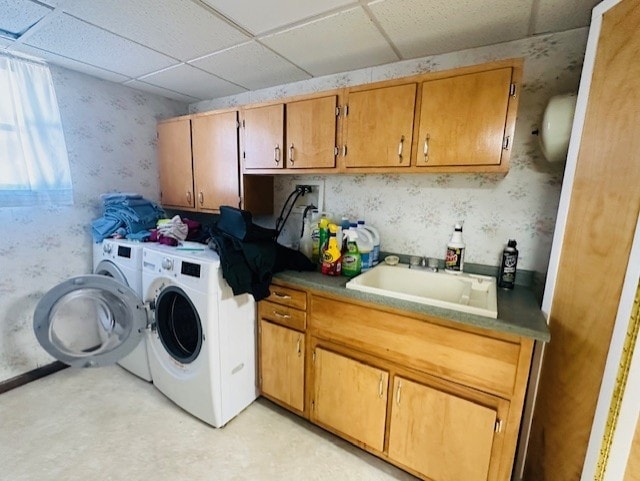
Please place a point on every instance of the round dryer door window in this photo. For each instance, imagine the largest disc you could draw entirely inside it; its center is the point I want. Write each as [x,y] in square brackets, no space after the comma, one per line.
[90,321]
[178,324]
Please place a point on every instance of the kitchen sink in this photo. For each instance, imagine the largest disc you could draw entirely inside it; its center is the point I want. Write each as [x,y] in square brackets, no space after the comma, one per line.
[462,292]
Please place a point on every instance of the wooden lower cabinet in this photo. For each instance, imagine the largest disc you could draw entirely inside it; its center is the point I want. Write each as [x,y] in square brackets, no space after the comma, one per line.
[444,436]
[282,364]
[350,396]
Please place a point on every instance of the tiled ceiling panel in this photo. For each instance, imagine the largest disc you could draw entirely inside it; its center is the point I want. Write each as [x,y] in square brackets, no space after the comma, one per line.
[194,82]
[340,42]
[138,84]
[72,38]
[266,15]
[72,64]
[552,15]
[418,28]
[251,65]
[17,17]
[180,28]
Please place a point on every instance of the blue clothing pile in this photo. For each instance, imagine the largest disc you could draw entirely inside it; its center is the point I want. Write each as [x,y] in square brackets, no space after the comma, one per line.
[128,215]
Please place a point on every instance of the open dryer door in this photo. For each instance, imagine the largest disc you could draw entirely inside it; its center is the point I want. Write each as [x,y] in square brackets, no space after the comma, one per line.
[90,321]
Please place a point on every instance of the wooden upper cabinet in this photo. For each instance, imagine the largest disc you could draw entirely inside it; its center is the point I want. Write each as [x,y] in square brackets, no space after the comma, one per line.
[379,126]
[175,163]
[462,119]
[442,436]
[215,160]
[311,133]
[263,137]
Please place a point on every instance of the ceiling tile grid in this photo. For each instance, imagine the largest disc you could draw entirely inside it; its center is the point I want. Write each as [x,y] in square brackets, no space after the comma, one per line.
[207,49]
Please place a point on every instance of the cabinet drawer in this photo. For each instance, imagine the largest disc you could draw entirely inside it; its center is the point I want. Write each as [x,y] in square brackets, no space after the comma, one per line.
[482,362]
[283,315]
[288,297]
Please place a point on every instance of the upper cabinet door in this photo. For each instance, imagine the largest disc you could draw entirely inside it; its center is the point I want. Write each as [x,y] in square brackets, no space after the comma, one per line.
[215,160]
[463,118]
[311,133]
[175,163]
[379,127]
[263,137]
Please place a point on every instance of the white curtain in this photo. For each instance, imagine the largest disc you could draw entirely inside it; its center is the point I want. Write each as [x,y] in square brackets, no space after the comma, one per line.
[33,154]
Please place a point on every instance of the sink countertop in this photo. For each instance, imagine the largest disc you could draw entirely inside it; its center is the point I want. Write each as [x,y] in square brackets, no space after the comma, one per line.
[518,311]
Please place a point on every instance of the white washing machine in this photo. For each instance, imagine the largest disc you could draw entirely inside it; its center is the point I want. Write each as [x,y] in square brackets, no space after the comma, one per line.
[121,259]
[201,338]
[202,350]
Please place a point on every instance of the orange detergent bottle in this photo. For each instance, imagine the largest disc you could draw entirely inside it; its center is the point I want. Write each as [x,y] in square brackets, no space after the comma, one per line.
[332,255]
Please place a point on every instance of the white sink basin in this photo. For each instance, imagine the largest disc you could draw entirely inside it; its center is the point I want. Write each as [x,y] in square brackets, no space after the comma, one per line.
[461,292]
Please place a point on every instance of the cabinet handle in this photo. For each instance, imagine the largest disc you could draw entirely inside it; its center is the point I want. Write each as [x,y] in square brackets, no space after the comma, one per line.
[189,196]
[201,198]
[281,315]
[381,387]
[279,295]
[400,146]
[291,153]
[276,154]
[425,149]
[398,393]
[298,347]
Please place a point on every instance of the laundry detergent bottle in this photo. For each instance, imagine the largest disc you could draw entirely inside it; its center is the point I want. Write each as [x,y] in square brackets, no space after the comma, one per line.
[365,246]
[375,235]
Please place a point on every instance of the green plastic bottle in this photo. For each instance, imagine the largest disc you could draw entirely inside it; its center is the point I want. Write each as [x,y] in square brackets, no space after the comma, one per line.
[351,260]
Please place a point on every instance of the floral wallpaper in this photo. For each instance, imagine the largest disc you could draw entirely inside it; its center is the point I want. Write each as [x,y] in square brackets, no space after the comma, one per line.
[415,213]
[110,132]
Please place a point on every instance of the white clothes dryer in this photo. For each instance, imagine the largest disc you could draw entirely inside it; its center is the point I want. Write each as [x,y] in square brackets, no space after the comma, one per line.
[201,338]
[122,260]
[202,349]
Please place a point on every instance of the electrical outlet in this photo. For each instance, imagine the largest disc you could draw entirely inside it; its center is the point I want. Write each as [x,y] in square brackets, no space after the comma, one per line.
[315,197]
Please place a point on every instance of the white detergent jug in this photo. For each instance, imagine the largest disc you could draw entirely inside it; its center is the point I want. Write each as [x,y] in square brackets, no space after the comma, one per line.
[376,241]
[365,246]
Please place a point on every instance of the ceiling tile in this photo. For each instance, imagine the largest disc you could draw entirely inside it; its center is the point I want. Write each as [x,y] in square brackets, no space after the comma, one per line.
[194,82]
[268,15]
[418,28]
[138,84]
[554,15]
[340,42]
[69,63]
[180,28]
[251,65]
[72,38]
[17,17]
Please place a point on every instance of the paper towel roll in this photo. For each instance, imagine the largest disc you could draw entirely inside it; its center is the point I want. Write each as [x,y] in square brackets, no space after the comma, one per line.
[556,127]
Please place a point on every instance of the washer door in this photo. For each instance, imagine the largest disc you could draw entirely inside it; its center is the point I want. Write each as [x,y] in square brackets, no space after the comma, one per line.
[178,324]
[90,321]
[109,269]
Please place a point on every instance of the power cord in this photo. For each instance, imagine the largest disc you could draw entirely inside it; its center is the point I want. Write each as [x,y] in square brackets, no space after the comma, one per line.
[300,190]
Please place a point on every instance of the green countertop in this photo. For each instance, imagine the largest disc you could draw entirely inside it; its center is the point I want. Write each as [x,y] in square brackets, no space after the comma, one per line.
[518,311]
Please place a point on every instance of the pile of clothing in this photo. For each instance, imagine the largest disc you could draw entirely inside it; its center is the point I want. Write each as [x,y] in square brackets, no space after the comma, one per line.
[175,230]
[127,216]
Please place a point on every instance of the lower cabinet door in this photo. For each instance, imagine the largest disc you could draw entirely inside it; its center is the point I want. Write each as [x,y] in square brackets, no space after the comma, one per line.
[350,397]
[282,364]
[444,437]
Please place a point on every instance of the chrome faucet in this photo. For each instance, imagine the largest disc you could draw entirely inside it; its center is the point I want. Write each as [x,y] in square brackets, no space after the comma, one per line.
[429,263]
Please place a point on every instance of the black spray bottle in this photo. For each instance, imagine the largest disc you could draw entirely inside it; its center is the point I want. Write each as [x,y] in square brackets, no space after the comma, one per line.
[507,275]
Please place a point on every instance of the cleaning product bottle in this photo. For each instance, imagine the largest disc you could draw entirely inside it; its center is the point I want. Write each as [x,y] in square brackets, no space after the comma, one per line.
[375,259]
[365,246]
[323,237]
[306,242]
[351,261]
[454,261]
[344,225]
[331,255]
[507,276]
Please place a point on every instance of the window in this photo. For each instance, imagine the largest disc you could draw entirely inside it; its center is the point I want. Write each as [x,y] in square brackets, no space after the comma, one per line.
[34,167]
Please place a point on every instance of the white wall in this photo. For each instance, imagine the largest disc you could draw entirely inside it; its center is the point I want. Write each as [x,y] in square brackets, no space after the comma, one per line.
[416,212]
[110,135]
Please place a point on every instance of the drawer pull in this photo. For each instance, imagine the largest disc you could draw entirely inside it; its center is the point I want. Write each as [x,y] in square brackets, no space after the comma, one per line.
[400,146]
[281,315]
[279,295]
[298,348]
[381,387]
[398,393]
[425,150]
[276,154]
[291,153]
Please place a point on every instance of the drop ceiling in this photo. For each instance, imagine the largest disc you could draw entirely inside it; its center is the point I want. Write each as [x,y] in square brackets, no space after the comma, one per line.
[194,50]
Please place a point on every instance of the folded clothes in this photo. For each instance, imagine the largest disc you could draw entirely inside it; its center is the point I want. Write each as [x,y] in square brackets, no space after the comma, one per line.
[129,212]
